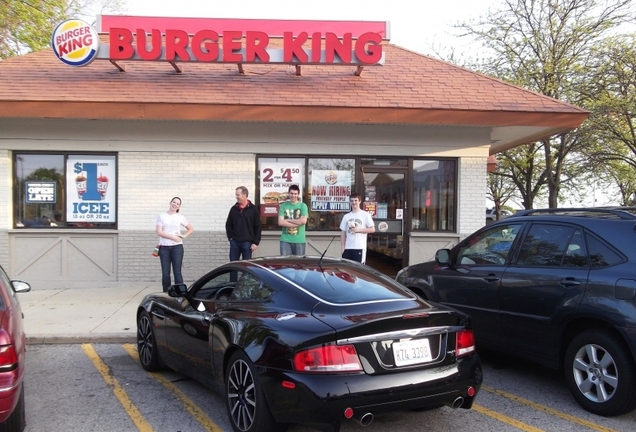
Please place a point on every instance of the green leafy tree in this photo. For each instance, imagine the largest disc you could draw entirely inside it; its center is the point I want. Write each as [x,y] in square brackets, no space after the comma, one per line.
[611,90]
[27,25]
[623,175]
[500,191]
[544,45]
[523,169]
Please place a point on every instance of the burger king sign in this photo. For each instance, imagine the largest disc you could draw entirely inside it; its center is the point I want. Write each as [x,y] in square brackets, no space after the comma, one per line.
[75,42]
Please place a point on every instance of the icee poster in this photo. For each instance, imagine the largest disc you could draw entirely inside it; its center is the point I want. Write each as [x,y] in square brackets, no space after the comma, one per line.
[90,188]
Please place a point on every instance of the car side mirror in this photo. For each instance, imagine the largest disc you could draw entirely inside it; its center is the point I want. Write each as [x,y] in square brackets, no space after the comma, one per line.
[178,290]
[20,286]
[442,257]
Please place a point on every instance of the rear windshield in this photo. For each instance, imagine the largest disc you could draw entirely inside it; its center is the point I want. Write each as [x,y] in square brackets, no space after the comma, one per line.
[343,285]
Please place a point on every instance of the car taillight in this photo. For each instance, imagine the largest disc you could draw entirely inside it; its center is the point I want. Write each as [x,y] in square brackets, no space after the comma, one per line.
[8,358]
[328,358]
[465,343]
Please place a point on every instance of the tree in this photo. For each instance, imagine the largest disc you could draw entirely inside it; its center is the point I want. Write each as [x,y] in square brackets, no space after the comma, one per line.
[27,25]
[624,177]
[543,45]
[523,168]
[611,90]
[500,191]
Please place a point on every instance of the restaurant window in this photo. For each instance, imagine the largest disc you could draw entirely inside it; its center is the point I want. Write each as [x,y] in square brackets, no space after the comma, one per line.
[58,190]
[325,186]
[434,195]
[275,177]
[331,183]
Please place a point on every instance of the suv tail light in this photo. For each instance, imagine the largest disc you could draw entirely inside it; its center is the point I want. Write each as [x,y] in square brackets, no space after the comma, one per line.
[465,344]
[328,358]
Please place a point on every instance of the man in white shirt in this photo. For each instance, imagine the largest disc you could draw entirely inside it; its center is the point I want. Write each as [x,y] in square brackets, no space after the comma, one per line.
[355,226]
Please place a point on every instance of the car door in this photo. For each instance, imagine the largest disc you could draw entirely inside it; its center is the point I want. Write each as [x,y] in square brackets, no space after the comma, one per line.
[472,281]
[545,282]
[244,319]
[187,328]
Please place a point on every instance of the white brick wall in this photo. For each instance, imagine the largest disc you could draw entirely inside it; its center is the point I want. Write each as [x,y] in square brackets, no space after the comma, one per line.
[6,207]
[472,194]
[147,183]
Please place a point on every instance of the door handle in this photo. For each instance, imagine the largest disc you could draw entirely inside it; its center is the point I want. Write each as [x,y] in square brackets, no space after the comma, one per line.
[569,282]
[492,278]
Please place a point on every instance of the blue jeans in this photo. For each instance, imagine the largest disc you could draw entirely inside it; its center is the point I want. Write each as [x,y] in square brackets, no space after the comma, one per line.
[292,248]
[353,254]
[238,248]
[171,255]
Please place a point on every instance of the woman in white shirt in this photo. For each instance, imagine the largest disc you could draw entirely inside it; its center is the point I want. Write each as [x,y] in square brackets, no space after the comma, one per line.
[171,242]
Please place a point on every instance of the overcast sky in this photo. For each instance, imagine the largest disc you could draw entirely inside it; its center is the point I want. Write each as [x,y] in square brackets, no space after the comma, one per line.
[415,24]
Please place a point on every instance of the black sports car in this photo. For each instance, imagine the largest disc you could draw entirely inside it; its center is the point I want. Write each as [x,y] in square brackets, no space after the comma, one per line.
[310,340]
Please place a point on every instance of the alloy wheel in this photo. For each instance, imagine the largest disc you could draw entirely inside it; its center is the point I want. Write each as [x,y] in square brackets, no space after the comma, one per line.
[241,395]
[595,373]
[145,345]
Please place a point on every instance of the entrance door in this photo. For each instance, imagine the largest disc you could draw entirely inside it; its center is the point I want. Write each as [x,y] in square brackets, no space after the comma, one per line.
[385,199]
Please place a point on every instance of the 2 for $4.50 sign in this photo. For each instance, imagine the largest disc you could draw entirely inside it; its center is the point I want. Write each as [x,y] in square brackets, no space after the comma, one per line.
[276,177]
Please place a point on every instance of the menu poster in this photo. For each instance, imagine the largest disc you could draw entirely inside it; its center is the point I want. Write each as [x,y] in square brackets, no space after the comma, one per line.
[276,178]
[369,193]
[383,210]
[90,189]
[330,190]
[371,208]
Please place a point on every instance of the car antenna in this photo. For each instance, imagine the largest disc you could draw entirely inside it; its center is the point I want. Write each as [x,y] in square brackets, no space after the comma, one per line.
[323,254]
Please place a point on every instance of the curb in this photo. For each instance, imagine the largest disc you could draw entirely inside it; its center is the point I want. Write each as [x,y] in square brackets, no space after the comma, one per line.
[44,340]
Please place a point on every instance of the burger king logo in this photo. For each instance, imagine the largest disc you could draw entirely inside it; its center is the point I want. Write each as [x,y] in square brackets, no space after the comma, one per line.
[75,43]
[331,178]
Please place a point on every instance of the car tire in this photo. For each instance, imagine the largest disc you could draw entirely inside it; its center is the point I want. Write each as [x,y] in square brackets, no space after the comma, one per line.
[17,420]
[246,405]
[147,344]
[601,373]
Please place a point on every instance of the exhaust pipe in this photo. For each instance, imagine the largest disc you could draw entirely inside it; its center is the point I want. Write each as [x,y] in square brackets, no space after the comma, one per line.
[364,419]
[458,402]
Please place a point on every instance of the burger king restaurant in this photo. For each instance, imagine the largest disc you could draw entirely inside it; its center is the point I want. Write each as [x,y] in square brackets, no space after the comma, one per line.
[98,133]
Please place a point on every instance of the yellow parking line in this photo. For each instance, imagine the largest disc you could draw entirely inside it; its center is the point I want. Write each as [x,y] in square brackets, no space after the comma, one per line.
[119,392]
[188,404]
[549,410]
[505,419]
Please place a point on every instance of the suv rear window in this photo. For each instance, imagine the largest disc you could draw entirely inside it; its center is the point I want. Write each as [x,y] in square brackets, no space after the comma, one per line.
[602,255]
[343,285]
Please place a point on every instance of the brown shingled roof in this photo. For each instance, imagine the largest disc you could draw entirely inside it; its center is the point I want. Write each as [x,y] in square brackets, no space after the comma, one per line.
[410,88]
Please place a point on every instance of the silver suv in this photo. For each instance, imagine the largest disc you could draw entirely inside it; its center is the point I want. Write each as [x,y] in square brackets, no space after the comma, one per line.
[491,214]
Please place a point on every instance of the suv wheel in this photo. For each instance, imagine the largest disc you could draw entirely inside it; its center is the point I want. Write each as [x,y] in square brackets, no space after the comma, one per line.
[600,373]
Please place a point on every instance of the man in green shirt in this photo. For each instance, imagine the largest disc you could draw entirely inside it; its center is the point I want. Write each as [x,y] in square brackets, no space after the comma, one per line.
[292,216]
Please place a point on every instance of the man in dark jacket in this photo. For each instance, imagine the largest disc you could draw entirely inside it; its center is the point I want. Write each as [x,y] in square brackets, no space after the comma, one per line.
[243,226]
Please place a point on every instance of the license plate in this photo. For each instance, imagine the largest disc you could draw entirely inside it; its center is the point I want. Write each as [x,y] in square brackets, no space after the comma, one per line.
[412,352]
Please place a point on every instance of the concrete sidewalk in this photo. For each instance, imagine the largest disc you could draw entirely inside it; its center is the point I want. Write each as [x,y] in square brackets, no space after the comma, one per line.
[82,315]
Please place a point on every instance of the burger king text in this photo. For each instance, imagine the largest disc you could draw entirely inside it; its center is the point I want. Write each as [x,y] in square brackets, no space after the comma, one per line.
[244,47]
